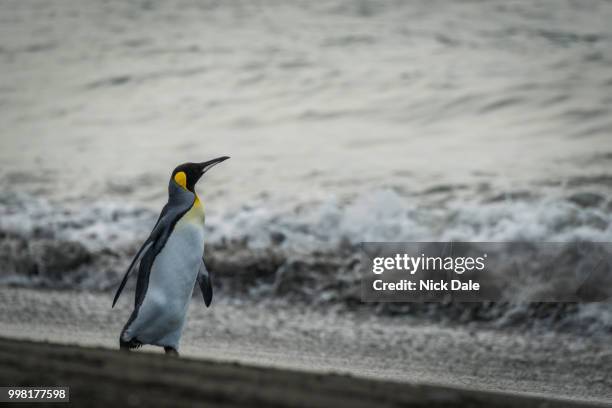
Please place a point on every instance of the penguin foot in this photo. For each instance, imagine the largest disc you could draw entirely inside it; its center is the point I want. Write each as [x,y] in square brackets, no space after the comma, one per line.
[170,351]
[129,345]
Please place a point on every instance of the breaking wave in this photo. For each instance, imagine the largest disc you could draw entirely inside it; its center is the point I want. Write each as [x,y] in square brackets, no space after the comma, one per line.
[307,253]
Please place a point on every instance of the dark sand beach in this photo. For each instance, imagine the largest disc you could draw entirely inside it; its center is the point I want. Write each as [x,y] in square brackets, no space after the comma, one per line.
[275,354]
[98,378]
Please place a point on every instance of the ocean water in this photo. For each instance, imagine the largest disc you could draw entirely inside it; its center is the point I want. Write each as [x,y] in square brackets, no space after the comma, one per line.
[346,121]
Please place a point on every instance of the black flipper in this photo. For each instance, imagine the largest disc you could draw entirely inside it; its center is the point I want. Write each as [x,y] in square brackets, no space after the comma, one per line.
[140,254]
[179,202]
[205,284]
[144,246]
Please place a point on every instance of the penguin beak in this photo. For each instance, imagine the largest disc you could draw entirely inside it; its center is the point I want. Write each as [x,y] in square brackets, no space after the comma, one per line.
[207,165]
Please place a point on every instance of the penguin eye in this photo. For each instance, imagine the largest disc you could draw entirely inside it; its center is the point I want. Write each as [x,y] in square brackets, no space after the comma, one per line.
[181,179]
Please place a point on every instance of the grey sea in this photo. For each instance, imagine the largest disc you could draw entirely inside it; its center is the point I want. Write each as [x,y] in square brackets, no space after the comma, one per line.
[347,121]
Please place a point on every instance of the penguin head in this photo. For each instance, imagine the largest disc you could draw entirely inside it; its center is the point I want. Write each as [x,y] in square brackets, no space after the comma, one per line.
[187,175]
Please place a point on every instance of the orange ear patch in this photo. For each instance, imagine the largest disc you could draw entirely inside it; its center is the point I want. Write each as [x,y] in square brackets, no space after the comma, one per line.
[181,179]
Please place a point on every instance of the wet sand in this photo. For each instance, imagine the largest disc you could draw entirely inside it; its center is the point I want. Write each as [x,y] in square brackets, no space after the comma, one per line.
[281,355]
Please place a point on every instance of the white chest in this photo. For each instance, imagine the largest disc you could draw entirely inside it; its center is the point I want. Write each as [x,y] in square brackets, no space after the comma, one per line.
[176,267]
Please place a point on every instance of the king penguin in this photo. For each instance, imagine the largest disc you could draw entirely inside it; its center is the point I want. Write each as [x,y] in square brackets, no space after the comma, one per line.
[170,262]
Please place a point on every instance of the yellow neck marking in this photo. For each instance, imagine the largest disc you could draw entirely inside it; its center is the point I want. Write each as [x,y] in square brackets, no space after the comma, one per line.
[181,179]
